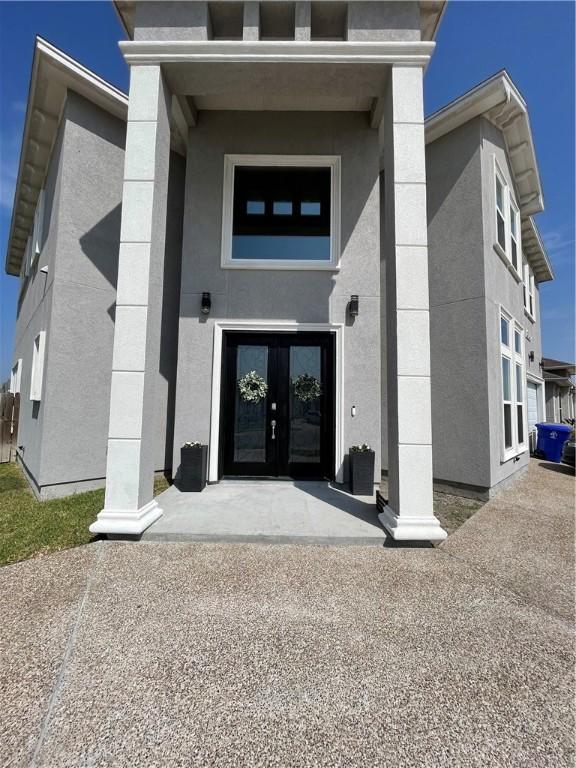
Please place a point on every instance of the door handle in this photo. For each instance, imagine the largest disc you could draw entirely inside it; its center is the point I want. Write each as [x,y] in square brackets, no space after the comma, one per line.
[273,425]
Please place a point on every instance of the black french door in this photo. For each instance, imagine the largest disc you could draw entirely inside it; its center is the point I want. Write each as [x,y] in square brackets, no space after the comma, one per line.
[277,408]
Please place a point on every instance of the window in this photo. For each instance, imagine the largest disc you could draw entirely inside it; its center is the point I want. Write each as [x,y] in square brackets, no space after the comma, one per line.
[281,212]
[513,387]
[38,233]
[529,290]
[500,214]
[514,230]
[507,226]
[37,367]
[15,377]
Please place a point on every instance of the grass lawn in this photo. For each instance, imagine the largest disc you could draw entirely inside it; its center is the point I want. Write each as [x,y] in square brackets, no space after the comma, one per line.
[31,528]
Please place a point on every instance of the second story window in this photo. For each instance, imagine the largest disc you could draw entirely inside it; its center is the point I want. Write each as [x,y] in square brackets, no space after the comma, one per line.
[507,223]
[281,212]
[529,290]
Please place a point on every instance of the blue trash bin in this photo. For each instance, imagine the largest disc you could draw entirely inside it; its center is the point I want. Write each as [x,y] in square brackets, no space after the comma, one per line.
[551,439]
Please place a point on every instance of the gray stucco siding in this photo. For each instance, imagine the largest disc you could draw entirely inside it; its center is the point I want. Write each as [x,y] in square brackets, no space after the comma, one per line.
[460,429]
[78,372]
[502,291]
[383,21]
[272,295]
[34,315]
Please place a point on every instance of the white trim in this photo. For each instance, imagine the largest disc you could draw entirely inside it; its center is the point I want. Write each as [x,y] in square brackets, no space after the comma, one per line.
[415,52]
[510,207]
[259,161]
[16,377]
[121,521]
[37,372]
[515,359]
[275,327]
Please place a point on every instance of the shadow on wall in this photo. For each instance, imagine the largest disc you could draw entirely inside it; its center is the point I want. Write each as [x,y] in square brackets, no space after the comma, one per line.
[101,243]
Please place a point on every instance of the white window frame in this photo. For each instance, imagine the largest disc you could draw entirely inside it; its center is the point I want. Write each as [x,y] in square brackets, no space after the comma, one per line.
[16,377]
[511,208]
[529,290]
[514,215]
[38,231]
[499,177]
[517,366]
[37,373]
[304,161]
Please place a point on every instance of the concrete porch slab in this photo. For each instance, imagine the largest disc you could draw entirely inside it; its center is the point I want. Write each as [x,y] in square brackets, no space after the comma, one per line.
[280,511]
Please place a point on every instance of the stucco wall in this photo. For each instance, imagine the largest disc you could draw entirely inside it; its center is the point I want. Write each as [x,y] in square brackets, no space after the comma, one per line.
[65,436]
[383,21]
[34,315]
[460,429]
[303,296]
[366,21]
[84,284]
[502,290]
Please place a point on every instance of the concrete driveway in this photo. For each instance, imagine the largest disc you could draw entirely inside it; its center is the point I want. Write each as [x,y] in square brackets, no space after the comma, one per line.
[151,654]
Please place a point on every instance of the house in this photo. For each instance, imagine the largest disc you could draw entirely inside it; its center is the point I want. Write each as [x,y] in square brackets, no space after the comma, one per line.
[560,390]
[237,253]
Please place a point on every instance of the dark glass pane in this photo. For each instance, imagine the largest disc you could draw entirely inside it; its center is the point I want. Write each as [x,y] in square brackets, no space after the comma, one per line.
[508,426]
[504,331]
[520,424]
[501,231]
[304,406]
[250,417]
[514,255]
[505,379]
[295,224]
[519,385]
[517,342]
[499,195]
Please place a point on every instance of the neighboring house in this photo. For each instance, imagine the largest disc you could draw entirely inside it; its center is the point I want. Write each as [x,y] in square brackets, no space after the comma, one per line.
[560,390]
[258,204]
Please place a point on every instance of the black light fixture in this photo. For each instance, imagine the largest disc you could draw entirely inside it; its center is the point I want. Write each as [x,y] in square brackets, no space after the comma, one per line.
[531,356]
[353,306]
[206,304]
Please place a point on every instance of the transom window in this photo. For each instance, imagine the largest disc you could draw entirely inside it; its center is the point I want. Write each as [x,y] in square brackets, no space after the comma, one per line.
[513,387]
[281,212]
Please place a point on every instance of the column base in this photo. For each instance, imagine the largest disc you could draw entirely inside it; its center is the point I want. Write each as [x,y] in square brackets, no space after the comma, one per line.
[411,528]
[126,521]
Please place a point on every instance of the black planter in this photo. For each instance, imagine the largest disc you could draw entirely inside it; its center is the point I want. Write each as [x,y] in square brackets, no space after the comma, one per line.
[193,463]
[362,473]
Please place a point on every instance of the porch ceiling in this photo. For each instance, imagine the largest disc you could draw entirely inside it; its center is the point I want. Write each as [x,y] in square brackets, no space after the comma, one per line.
[278,86]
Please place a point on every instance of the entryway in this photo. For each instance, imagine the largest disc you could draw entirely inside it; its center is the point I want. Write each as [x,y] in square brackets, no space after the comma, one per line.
[277,416]
[305,512]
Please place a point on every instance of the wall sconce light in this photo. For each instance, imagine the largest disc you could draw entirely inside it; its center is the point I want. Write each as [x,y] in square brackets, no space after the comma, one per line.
[206,304]
[531,356]
[353,306]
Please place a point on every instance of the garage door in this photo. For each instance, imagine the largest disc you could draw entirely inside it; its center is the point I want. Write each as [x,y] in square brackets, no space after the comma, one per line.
[532,405]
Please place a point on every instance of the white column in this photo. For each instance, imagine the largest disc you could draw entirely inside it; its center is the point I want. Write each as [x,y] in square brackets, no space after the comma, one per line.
[129,505]
[409,514]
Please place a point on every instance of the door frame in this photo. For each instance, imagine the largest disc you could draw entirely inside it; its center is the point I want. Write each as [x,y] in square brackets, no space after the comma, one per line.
[220,326]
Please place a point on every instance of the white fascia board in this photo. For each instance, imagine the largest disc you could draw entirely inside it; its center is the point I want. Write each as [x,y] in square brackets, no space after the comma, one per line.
[51,63]
[279,51]
[499,101]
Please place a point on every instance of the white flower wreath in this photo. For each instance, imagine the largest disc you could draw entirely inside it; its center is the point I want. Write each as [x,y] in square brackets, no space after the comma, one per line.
[306,388]
[252,387]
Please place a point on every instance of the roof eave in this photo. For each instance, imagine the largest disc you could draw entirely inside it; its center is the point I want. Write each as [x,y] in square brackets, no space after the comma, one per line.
[59,73]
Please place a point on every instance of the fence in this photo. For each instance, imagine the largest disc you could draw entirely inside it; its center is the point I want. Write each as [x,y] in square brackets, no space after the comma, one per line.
[9,410]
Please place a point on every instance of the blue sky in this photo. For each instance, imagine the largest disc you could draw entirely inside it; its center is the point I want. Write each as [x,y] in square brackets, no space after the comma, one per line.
[534,41]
